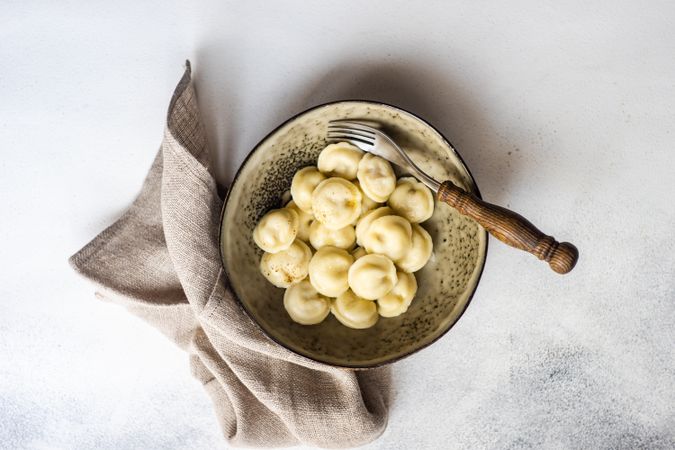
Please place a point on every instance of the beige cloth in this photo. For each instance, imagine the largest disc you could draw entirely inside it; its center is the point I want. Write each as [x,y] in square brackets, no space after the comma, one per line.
[161,261]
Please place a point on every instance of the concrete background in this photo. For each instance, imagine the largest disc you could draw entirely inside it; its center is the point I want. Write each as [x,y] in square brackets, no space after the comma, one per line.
[562,112]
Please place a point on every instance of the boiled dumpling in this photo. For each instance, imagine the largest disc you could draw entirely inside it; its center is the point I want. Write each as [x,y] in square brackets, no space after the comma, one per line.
[304,222]
[321,236]
[353,311]
[304,304]
[420,251]
[328,271]
[286,267]
[286,197]
[364,223]
[277,230]
[304,182]
[397,301]
[336,203]
[376,177]
[390,236]
[367,204]
[372,276]
[340,160]
[412,200]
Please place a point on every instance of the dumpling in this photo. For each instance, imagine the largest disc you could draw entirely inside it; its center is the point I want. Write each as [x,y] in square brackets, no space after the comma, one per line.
[376,176]
[372,276]
[359,252]
[277,230]
[286,267]
[390,236]
[412,200]
[328,271]
[336,203]
[286,197]
[321,236]
[364,223]
[354,312]
[340,160]
[397,301]
[305,220]
[420,251]
[367,204]
[304,304]
[304,182]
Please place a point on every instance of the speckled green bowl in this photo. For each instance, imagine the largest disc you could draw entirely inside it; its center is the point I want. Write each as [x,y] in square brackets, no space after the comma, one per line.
[446,283]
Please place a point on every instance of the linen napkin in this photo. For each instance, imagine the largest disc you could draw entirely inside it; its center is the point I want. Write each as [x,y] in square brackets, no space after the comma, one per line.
[161,261]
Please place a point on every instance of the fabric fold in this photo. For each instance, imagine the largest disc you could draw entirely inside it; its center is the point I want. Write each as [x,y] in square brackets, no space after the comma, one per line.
[161,261]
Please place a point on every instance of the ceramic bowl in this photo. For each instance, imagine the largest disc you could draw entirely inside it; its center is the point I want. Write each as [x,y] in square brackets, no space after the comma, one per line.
[445,285]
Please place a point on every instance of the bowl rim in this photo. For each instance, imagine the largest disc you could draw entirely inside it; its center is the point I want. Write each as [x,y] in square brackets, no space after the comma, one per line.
[243,305]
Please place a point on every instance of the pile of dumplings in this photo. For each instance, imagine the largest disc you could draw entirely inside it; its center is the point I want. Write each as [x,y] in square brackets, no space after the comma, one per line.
[349,240]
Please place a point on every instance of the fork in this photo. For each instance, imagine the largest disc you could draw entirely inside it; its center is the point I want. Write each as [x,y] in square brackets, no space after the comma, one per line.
[507,226]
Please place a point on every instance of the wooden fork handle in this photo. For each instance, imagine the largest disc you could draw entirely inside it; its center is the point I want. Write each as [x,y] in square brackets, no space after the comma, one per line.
[511,228]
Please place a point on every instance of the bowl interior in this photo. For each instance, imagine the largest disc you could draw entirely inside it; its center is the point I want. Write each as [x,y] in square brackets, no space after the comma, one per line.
[445,284]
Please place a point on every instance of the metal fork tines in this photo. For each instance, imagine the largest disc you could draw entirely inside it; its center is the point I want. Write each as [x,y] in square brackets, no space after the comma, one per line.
[372,140]
[346,131]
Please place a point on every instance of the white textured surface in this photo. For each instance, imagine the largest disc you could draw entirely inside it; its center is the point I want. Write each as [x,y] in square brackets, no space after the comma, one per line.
[564,113]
